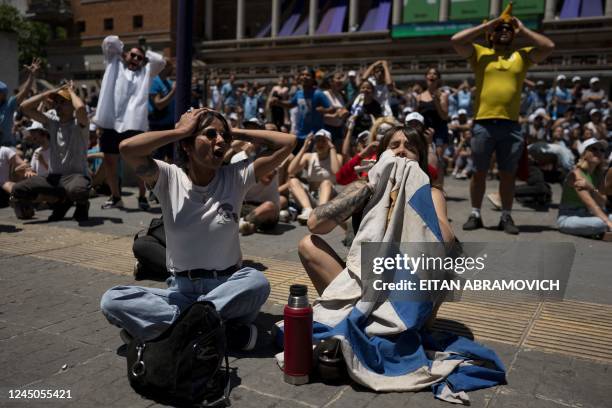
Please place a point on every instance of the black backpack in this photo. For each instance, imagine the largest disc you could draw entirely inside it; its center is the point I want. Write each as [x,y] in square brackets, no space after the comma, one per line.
[184,365]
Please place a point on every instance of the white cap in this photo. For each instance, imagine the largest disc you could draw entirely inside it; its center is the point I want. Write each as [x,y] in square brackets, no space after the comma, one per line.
[539,112]
[233,116]
[407,110]
[594,111]
[576,79]
[540,82]
[593,80]
[455,117]
[323,133]
[592,141]
[461,112]
[561,77]
[352,73]
[363,135]
[92,127]
[415,116]
[36,126]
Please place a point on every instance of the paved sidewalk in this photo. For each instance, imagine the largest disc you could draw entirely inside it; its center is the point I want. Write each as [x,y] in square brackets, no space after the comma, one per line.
[53,336]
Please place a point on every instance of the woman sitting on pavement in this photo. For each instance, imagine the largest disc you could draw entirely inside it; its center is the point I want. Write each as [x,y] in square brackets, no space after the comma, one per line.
[200,205]
[320,261]
[321,167]
[582,210]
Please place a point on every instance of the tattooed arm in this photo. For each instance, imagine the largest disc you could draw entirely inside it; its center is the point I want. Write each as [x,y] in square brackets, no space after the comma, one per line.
[326,217]
[137,150]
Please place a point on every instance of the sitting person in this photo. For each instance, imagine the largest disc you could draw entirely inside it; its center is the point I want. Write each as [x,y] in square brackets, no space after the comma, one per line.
[12,169]
[320,261]
[321,167]
[68,180]
[464,165]
[200,204]
[41,156]
[582,210]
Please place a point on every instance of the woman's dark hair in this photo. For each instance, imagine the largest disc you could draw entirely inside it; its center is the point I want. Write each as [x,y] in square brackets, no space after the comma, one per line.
[415,139]
[435,69]
[205,120]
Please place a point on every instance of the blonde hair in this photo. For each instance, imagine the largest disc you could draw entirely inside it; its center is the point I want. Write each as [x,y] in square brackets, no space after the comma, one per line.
[389,120]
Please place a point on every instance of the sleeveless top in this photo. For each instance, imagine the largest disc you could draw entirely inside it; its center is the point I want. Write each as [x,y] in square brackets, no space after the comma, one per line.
[569,196]
[319,170]
[430,113]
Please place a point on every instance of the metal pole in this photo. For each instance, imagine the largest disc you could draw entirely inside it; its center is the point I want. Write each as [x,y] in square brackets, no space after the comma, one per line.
[353,14]
[275,17]
[312,17]
[443,14]
[239,19]
[184,50]
[397,12]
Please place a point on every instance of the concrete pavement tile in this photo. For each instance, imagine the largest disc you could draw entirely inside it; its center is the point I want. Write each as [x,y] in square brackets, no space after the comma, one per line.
[352,396]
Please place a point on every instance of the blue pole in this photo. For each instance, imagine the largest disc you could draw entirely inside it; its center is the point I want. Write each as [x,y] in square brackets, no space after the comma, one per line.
[184,50]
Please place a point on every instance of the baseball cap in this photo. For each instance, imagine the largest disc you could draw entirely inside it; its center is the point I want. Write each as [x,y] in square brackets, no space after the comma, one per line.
[363,135]
[561,77]
[415,116]
[540,82]
[323,133]
[407,110]
[594,111]
[3,87]
[592,141]
[233,116]
[576,79]
[593,80]
[36,126]
[454,117]
[255,122]
[64,93]
[461,112]
[352,73]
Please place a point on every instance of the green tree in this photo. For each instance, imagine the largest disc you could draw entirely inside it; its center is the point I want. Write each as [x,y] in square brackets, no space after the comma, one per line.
[33,36]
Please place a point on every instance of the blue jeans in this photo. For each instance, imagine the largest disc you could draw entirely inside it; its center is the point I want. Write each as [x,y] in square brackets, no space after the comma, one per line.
[580,222]
[146,312]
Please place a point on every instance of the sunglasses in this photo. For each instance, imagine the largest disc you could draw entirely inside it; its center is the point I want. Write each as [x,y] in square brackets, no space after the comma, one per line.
[211,133]
[501,28]
[136,57]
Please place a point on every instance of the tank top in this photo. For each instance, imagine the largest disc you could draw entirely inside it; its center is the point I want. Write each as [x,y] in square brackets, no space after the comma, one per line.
[430,113]
[569,196]
[319,170]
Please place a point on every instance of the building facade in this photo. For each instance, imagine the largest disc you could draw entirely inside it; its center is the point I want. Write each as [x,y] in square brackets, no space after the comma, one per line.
[261,39]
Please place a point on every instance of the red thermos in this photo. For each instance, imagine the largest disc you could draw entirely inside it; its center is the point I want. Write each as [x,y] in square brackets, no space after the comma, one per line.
[298,336]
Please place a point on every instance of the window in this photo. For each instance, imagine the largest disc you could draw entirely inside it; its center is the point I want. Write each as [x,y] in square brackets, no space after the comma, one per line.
[108,24]
[137,21]
[80,26]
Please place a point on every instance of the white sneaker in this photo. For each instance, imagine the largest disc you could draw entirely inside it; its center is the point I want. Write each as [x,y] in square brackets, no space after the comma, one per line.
[246,228]
[284,216]
[304,215]
[111,203]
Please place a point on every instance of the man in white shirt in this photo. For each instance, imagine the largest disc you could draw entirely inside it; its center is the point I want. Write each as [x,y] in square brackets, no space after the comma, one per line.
[68,180]
[122,110]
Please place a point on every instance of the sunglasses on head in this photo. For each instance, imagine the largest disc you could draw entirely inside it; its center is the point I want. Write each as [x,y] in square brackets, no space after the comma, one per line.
[211,133]
[136,57]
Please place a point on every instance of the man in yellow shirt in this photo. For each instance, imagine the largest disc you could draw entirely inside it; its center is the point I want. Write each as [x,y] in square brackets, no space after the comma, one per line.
[500,70]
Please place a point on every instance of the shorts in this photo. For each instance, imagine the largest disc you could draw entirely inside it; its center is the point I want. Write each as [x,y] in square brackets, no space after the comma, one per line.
[110,139]
[441,136]
[502,136]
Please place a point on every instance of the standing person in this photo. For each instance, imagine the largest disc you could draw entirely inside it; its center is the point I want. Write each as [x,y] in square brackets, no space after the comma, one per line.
[8,104]
[200,205]
[351,89]
[334,122]
[311,105]
[228,95]
[281,91]
[251,104]
[433,105]
[380,76]
[500,70]
[592,98]
[68,179]
[122,110]
[161,107]
[560,96]
[215,94]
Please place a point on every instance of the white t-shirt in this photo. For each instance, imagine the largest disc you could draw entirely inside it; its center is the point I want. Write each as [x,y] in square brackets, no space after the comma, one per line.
[124,94]
[36,164]
[381,94]
[201,223]
[6,154]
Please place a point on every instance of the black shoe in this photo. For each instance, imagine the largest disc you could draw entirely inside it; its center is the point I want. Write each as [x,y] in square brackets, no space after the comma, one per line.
[60,210]
[473,223]
[143,203]
[81,213]
[506,224]
[241,337]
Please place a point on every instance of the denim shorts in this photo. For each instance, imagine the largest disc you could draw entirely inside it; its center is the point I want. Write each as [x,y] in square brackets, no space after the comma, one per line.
[502,136]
